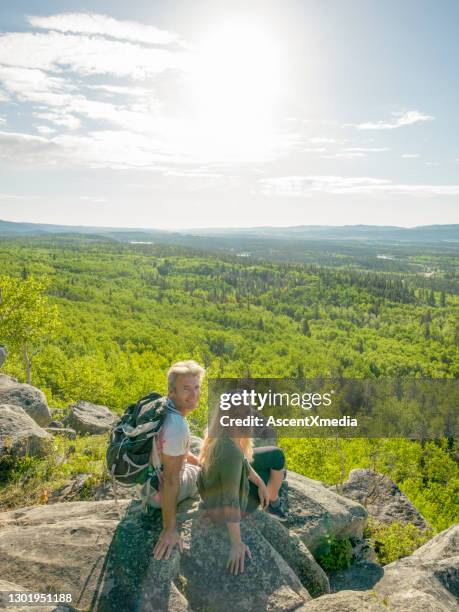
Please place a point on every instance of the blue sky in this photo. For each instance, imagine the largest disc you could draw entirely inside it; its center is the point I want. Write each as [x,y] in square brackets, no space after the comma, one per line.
[176,114]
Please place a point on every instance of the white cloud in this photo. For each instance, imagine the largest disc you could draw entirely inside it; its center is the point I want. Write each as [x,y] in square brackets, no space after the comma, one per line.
[111,149]
[300,186]
[344,155]
[127,98]
[192,173]
[32,70]
[102,149]
[123,90]
[54,51]
[401,120]
[35,85]
[320,140]
[64,102]
[45,130]
[61,119]
[17,196]
[366,149]
[314,150]
[95,199]
[354,152]
[25,148]
[409,155]
[104,25]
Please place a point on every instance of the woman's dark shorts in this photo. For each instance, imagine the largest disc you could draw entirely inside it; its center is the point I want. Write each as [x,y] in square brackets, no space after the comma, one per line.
[265,459]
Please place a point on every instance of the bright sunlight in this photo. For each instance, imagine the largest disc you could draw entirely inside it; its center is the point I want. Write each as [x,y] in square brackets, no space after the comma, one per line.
[235,88]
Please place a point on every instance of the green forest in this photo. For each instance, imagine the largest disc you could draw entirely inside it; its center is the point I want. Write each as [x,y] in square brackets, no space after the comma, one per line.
[112,317]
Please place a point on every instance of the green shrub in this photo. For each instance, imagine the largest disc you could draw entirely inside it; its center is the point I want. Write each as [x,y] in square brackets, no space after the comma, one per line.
[31,480]
[391,542]
[336,555]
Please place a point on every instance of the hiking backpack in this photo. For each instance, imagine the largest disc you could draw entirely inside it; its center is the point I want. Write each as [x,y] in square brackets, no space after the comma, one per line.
[132,439]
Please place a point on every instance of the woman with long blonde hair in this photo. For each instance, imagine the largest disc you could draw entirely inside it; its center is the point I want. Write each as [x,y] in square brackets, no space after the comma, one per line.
[235,478]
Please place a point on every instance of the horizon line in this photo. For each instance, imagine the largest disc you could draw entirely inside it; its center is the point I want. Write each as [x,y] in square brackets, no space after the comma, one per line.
[215,228]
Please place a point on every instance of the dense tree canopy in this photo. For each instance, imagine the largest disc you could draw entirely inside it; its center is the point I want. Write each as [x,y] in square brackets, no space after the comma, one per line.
[128,311]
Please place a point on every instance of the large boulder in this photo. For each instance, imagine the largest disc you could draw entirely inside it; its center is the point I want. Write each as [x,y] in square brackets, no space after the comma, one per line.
[20,435]
[317,512]
[361,576]
[426,580]
[31,399]
[105,560]
[294,551]
[87,418]
[347,601]
[66,432]
[7,380]
[381,497]
[268,582]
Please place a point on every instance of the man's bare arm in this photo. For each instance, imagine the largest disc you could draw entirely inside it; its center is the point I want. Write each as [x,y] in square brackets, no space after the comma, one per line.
[169,491]
[192,459]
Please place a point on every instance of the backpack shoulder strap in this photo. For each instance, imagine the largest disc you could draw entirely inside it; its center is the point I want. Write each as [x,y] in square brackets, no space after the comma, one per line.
[143,402]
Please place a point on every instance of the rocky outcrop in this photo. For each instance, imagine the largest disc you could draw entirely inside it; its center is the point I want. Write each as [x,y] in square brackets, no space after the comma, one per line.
[7,380]
[71,490]
[347,601]
[361,576]
[31,399]
[381,497]
[316,511]
[294,551]
[86,549]
[66,432]
[268,582]
[57,424]
[20,434]
[428,579]
[104,558]
[87,418]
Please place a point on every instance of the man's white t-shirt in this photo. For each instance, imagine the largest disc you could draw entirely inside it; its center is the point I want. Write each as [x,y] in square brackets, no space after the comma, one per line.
[174,437]
[173,440]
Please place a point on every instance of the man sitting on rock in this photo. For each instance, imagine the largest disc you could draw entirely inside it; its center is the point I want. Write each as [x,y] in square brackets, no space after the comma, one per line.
[180,466]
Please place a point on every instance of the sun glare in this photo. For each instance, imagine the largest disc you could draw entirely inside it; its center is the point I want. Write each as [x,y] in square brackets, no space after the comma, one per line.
[235,87]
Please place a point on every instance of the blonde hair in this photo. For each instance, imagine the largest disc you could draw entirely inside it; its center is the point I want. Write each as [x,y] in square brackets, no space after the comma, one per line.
[184,367]
[214,433]
[208,449]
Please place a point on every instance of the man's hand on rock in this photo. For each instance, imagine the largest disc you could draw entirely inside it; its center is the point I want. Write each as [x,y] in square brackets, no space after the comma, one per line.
[168,538]
[236,558]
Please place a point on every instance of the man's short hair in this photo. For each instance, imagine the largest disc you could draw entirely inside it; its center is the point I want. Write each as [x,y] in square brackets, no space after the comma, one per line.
[184,367]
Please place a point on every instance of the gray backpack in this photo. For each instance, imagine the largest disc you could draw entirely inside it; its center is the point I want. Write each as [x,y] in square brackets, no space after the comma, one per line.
[132,439]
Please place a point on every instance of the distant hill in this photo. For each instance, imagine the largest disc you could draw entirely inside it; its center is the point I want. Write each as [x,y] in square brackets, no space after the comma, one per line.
[430,233]
[426,233]
[40,229]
